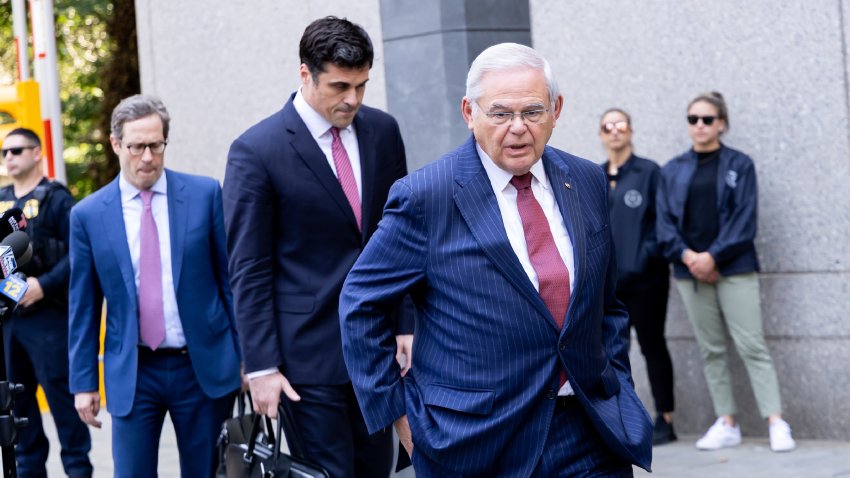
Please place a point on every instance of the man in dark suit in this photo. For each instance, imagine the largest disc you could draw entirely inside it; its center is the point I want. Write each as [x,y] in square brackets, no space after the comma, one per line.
[303,193]
[521,353]
[153,246]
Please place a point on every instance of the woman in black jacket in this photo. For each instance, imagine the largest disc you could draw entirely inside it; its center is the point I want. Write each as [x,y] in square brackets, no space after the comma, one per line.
[643,278]
[707,204]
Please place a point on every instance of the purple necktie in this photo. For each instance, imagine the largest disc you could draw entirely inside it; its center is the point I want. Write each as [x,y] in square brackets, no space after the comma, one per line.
[151,317]
[345,174]
[552,273]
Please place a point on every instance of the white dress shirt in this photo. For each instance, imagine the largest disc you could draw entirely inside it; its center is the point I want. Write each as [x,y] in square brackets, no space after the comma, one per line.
[320,129]
[131,204]
[506,196]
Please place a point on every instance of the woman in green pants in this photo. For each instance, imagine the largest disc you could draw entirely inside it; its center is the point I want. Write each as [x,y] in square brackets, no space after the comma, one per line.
[706,224]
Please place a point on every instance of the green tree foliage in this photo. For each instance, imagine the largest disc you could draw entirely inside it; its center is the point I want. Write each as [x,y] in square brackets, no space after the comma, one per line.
[92,36]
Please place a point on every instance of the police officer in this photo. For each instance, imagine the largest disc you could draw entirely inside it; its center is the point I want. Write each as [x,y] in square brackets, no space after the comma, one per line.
[36,334]
[643,274]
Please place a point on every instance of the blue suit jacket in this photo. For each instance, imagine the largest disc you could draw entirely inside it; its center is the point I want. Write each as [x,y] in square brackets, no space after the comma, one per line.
[292,238]
[101,269]
[487,352]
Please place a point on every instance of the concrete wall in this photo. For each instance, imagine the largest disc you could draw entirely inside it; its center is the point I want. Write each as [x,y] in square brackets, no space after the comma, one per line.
[429,45]
[222,65]
[782,68]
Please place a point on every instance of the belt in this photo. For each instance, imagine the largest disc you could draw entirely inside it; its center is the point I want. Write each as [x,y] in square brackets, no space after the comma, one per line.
[163,352]
[563,403]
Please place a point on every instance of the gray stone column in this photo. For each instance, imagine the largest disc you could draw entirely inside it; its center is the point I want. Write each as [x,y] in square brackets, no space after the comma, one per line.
[428,47]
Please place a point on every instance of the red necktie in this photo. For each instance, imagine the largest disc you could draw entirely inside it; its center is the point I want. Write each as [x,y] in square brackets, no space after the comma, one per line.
[151,316]
[345,174]
[552,273]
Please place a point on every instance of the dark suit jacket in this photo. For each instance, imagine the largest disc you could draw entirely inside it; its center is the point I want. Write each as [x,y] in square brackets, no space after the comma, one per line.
[487,352]
[101,268]
[292,238]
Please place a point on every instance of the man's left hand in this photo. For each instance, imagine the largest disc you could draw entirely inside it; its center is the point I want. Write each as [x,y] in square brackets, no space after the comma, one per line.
[33,294]
[404,352]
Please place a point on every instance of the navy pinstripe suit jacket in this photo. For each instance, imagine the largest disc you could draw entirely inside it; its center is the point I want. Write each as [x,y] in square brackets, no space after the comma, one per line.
[487,352]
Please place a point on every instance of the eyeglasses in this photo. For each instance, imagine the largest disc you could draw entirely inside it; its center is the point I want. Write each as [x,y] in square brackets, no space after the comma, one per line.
[706,120]
[137,149]
[621,126]
[503,117]
[16,150]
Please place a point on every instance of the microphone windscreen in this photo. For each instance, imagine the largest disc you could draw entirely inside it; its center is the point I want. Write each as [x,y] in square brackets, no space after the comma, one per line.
[25,257]
[12,220]
[19,241]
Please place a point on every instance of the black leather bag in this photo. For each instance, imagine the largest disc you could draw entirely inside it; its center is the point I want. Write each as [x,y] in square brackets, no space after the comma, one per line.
[235,430]
[261,456]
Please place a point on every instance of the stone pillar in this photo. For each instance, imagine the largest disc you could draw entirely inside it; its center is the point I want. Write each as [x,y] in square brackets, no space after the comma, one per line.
[428,47]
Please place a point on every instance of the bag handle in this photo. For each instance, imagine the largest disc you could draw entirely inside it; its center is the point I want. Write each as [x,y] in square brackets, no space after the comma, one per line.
[243,399]
[256,426]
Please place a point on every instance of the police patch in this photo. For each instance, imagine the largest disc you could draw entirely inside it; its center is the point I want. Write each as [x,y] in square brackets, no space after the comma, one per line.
[633,198]
[731,178]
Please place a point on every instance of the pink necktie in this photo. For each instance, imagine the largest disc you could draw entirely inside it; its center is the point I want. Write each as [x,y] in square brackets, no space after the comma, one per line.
[151,317]
[552,273]
[345,174]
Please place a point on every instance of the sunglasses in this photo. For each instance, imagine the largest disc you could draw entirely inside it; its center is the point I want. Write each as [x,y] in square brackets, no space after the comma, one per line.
[706,120]
[16,151]
[621,126]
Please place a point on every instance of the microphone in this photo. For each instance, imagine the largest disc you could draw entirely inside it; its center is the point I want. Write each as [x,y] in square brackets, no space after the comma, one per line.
[12,220]
[15,250]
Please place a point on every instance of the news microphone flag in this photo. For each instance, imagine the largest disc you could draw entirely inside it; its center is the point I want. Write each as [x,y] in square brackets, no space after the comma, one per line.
[14,288]
[8,264]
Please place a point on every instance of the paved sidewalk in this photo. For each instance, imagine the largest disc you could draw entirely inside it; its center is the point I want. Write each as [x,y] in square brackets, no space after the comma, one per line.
[752,459]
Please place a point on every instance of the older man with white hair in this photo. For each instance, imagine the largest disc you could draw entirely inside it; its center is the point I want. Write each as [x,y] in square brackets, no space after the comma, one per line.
[521,352]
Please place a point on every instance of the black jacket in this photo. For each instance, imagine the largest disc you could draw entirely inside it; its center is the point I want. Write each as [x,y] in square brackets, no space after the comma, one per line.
[737,194]
[631,204]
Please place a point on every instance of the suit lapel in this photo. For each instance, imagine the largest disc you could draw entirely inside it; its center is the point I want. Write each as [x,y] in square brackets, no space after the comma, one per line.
[368,171]
[309,152]
[177,223]
[114,231]
[477,204]
[567,195]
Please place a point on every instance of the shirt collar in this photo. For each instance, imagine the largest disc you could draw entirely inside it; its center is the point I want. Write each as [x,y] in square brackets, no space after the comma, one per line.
[499,178]
[129,192]
[316,123]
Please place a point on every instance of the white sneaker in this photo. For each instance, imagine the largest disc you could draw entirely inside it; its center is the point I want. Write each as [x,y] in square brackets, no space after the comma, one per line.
[720,435]
[780,436]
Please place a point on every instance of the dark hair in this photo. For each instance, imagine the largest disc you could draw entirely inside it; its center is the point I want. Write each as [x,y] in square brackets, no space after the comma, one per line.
[714,98]
[617,110]
[138,107]
[26,133]
[335,40]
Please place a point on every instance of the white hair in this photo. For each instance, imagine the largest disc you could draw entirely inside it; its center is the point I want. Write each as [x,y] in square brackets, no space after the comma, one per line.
[508,56]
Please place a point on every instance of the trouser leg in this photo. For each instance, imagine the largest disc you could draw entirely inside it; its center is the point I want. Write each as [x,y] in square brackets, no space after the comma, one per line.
[739,299]
[647,313]
[703,308]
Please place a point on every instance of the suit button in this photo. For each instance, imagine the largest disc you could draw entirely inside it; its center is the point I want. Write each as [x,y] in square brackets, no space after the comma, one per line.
[550,394]
[562,346]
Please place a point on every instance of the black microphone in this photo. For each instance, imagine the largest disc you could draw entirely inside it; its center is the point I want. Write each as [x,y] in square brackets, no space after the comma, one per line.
[12,220]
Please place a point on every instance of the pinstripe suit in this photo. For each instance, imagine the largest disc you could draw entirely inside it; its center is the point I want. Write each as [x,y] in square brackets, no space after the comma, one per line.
[487,352]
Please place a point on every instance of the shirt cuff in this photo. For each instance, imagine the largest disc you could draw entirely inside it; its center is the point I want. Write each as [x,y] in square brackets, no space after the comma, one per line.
[260,373]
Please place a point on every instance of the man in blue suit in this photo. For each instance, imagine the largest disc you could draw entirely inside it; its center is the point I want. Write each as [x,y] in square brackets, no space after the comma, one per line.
[303,193]
[152,245]
[521,348]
